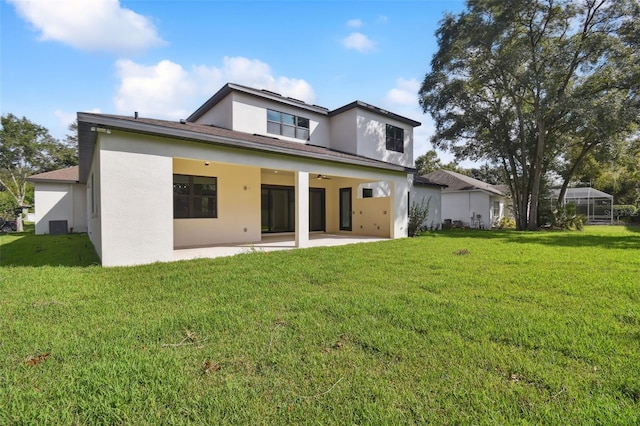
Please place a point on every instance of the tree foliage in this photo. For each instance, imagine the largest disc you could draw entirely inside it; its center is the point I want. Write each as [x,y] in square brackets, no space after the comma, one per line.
[26,149]
[534,86]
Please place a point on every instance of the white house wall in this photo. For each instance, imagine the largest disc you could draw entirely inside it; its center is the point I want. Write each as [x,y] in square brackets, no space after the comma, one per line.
[461,205]
[94,227]
[344,133]
[137,204]
[249,115]
[372,139]
[60,201]
[433,196]
[220,115]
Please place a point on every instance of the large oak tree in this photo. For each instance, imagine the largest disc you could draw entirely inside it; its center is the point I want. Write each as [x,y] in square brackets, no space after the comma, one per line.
[534,86]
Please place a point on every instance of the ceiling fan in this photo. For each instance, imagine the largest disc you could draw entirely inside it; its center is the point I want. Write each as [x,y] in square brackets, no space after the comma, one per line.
[320,177]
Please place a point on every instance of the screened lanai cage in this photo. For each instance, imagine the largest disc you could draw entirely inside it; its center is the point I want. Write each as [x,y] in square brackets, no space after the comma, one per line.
[596,206]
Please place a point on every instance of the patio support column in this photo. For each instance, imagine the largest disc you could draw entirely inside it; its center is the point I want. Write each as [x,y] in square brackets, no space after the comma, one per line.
[302,209]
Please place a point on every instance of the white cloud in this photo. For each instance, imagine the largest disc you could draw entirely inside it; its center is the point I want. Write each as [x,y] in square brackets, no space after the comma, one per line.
[354,23]
[405,92]
[89,25]
[359,42]
[67,118]
[168,90]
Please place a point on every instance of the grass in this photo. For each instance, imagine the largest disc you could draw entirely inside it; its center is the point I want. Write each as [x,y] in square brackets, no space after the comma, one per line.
[456,327]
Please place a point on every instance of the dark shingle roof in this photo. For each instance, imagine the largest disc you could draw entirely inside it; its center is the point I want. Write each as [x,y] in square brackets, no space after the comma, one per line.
[423,180]
[266,94]
[459,182]
[205,133]
[68,175]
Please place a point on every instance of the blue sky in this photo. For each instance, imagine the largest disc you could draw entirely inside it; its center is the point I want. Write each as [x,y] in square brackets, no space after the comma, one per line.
[165,58]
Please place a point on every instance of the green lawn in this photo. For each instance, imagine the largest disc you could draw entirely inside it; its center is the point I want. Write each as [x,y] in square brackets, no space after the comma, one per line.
[458,327]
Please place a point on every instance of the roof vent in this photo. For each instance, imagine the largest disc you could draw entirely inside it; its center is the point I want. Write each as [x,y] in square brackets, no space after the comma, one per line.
[295,100]
[183,121]
[135,115]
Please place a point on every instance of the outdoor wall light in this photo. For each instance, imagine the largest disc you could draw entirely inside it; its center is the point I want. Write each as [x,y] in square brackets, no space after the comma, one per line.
[206,163]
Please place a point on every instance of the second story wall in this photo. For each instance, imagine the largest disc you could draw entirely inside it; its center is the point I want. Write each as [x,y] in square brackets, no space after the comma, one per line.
[246,113]
[372,138]
[220,115]
[344,132]
[362,132]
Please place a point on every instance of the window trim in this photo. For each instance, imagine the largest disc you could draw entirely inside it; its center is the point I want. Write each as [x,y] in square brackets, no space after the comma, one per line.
[191,196]
[297,125]
[395,141]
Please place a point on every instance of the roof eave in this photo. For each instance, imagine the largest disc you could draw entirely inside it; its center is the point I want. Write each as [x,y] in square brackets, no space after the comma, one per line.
[263,94]
[86,121]
[374,109]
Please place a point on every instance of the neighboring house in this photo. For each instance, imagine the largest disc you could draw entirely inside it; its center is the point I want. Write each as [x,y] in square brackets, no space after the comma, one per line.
[470,202]
[61,202]
[428,193]
[245,164]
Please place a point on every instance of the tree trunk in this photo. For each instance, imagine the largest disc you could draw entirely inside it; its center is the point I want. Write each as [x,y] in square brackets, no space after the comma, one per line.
[536,177]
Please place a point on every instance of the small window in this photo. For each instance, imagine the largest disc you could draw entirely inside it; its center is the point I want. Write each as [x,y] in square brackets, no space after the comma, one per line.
[195,197]
[395,138]
[280,123]
[367,192]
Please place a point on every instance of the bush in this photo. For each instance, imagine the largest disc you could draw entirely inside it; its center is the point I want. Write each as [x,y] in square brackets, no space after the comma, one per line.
[566,218]
[624,210]
[417,217]
[506,223]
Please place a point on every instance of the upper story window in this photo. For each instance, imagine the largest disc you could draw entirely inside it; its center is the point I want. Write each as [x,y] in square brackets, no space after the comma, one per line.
[280,123]
[194,197]
[395,138]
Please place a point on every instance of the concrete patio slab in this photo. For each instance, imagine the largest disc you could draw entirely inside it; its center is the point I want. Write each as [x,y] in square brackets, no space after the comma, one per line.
[270,243]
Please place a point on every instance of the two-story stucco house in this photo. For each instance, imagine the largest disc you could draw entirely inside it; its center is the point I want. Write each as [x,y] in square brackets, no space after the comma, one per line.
[245,164]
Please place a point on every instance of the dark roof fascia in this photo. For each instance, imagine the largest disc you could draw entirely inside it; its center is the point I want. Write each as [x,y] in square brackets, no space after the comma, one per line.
[86,145]
[86,121]
[231,87]
[425,181]
[474,189]
[374,109]
[37,180]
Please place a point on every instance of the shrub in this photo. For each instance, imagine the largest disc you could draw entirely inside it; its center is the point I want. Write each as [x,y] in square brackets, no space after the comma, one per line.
[624,210]
[566,218]
[417,217]
[506,223]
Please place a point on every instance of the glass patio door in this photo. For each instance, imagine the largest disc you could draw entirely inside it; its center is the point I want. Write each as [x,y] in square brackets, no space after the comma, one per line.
[345,209]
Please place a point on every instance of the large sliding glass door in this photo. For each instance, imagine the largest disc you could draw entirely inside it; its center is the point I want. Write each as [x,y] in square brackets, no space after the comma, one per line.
[316,209]
[278,209]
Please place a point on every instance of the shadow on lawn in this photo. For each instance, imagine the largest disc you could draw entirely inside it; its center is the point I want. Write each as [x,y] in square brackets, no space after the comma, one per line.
[28,249]
[555,238]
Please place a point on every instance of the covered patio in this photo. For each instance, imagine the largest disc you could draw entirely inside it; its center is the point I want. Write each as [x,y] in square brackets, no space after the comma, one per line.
[270,243]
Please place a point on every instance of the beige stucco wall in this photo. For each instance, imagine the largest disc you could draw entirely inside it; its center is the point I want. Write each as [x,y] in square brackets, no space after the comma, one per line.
[60,201]
[238,206]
